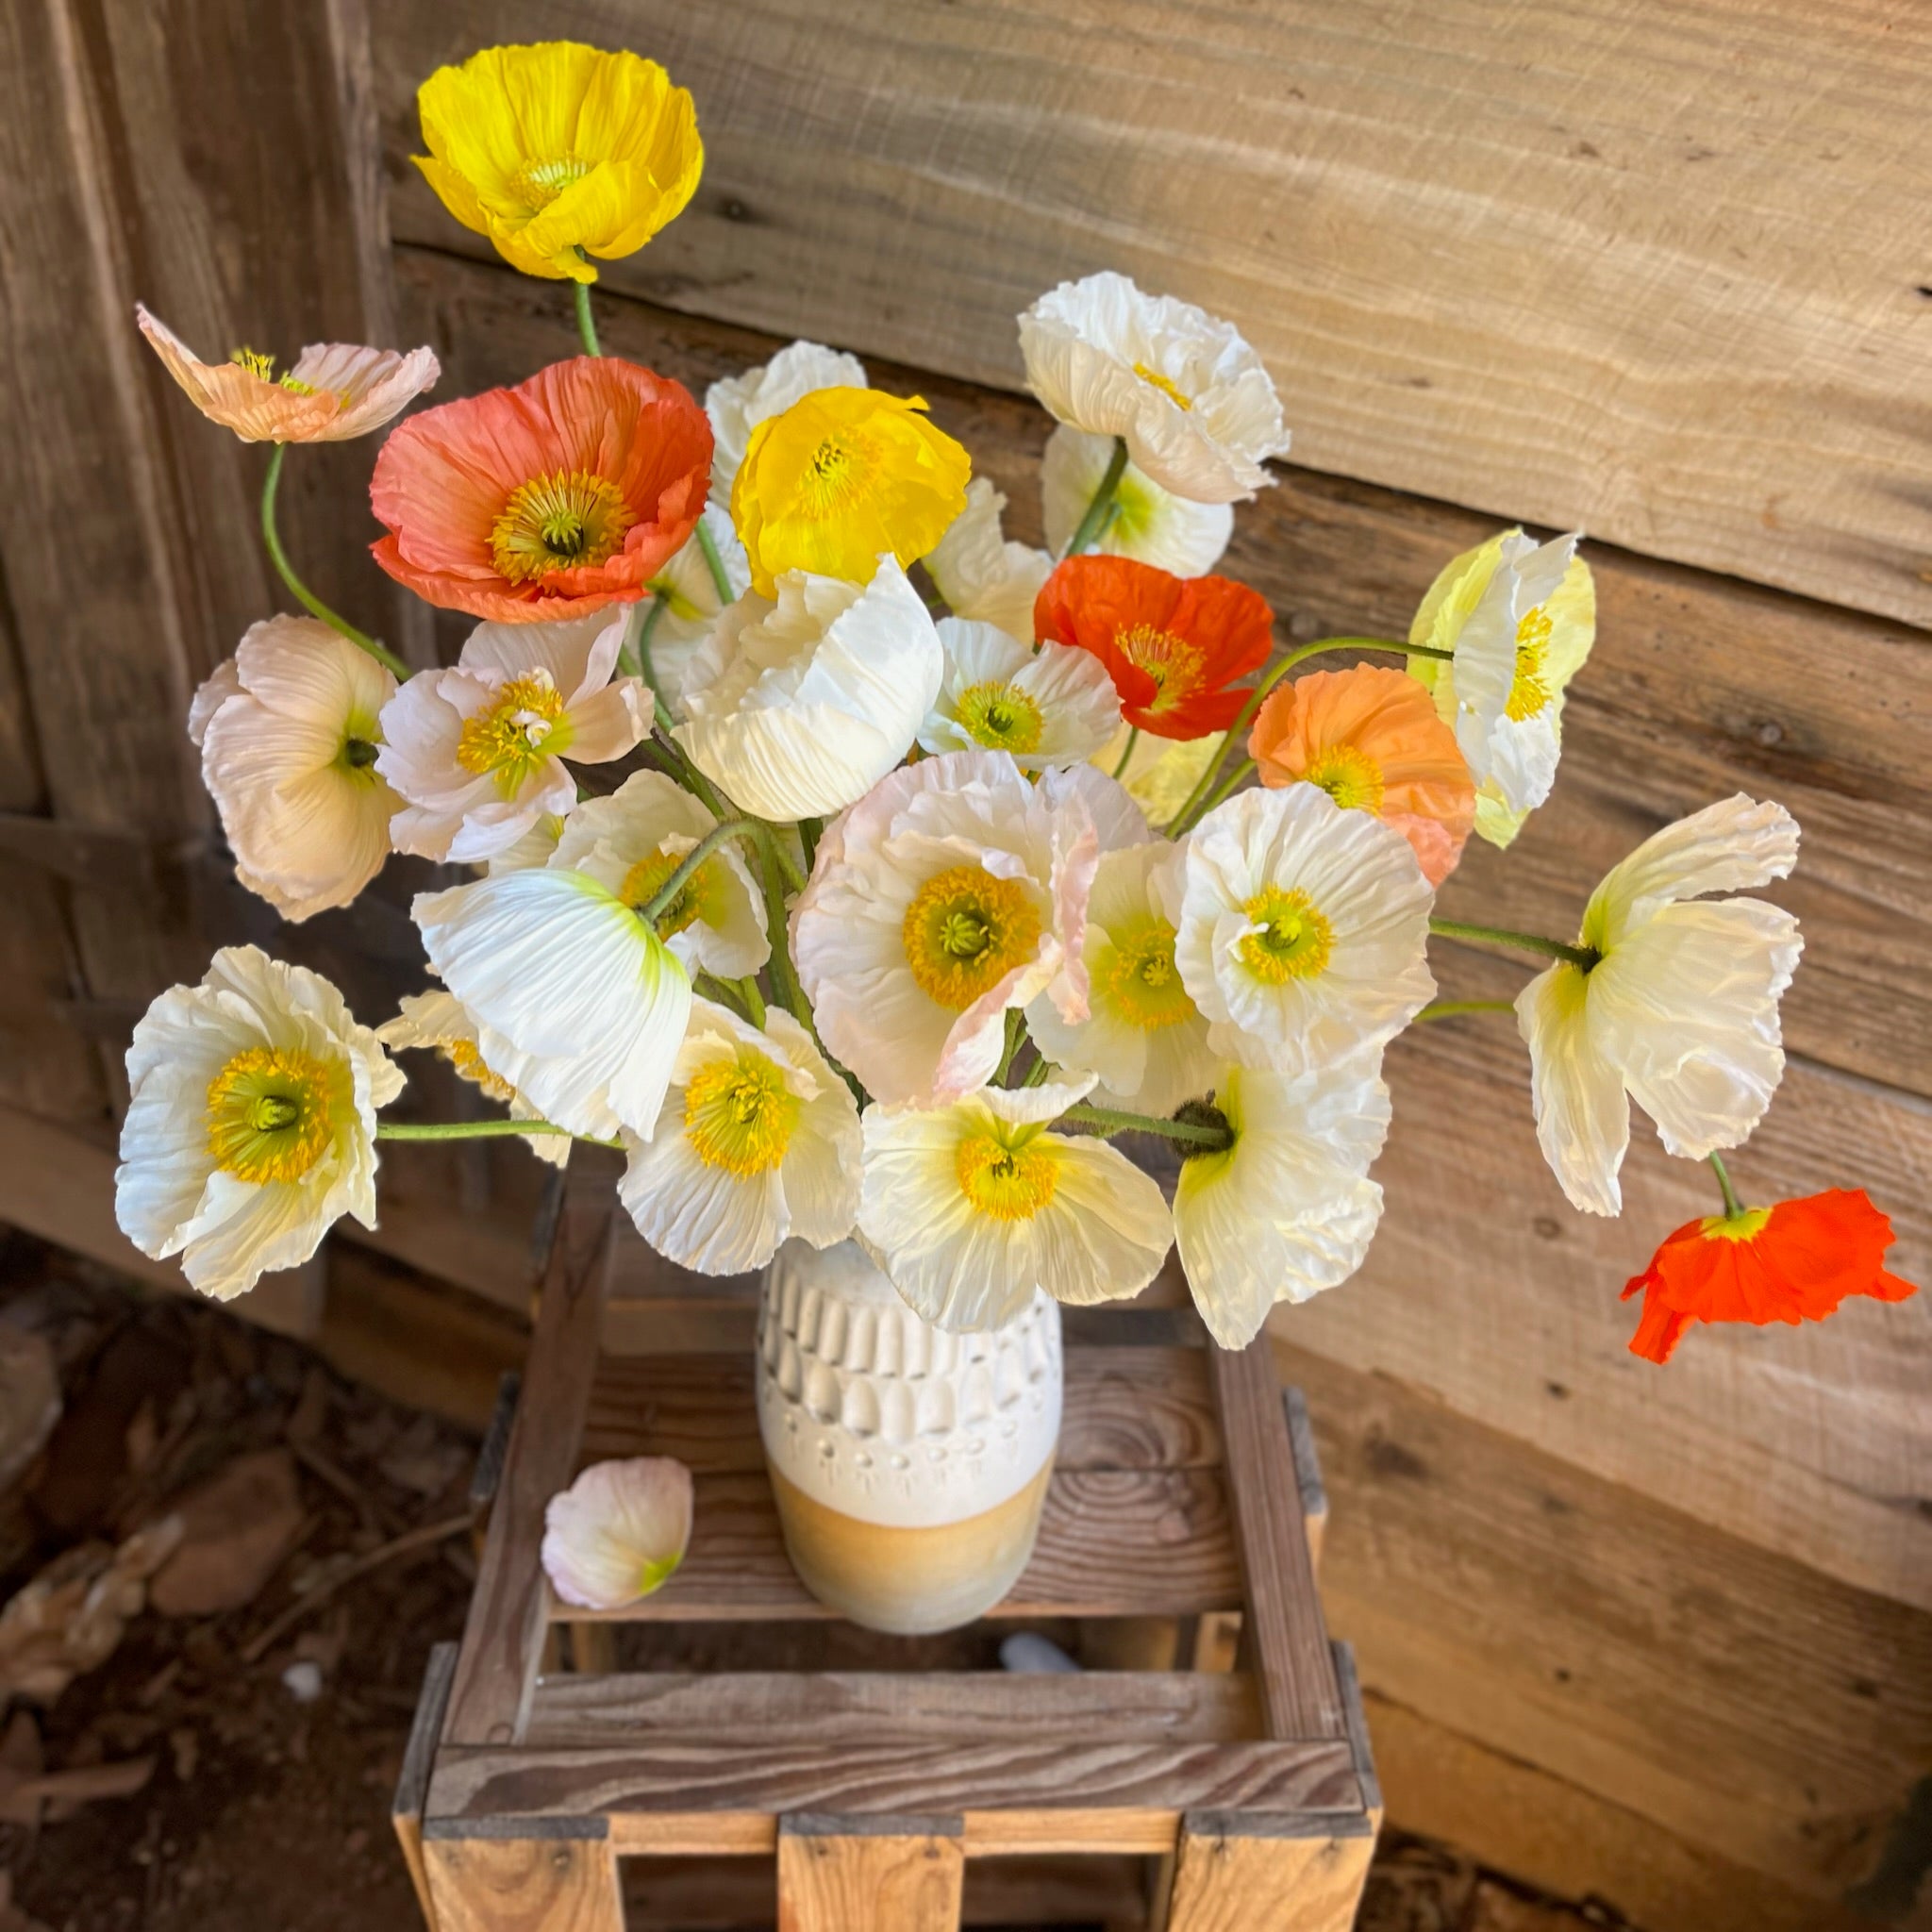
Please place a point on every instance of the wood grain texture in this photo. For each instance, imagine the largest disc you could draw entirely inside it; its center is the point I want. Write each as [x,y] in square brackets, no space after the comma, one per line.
[524,1884]
[412,1781]
[845,1875]
[1230,1875]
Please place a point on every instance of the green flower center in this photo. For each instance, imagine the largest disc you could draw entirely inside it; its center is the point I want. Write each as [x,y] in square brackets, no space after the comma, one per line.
[1000,716]
[965,930]
[269,1113]
[1291,937]
[1138,980]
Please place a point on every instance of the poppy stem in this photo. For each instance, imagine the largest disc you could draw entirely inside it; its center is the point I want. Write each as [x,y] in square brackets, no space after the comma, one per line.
[305,597]
[1448,1010]
[714,564]
[1111,1121]
[494,1130]
[660,705]
[1092,523]
[1582,956]
[810,832]
[665,896]
[685,773]
[1133,738]
[587,325]
[1733,1207]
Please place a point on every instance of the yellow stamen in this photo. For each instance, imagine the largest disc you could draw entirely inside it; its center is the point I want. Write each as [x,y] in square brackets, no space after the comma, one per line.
[537,184]
[1167,388]
[570,520]
[255,362]
[1008,1183]
[1174,662]
[965,930]
[838,474]
[269,1112]
[1138,978]
[700,897]
[738,1114]
[1001,717]
[1292,940]
[1735,1228]
[521,729]
[1529,692]
[1349,775]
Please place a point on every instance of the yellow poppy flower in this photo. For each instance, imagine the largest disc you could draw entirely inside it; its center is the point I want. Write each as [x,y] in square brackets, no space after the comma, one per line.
[843,476]
[560,150]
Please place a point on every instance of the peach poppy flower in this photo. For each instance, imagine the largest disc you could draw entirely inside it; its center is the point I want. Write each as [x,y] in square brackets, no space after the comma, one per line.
[565,493]
[335,390]
[1370,739]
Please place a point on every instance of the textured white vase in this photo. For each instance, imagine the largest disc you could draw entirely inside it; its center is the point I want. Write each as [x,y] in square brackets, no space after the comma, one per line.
[909,1465]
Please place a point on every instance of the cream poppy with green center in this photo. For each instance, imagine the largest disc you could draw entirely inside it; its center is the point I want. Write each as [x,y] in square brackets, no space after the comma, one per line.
[1521,618]
[1147,522]
[437,1021]
[972,1208]
[251,1120]
[1054,706]
[983,575]
[1302,930]
[758,1143]
[1680,1012]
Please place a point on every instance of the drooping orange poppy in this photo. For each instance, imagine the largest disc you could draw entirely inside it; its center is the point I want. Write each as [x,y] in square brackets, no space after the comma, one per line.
[565,493]
[1370,739]
[1793,1262]
[1173,646]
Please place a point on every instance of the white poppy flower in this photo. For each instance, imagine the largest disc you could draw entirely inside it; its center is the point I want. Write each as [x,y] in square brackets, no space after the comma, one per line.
[437,1021]
[1199,411]
[578,1004]
[1054,706]
[1287,1210]
[687,607]
[251,1120]
[533,848]
[798,707]
[1680,1010]
[1143,1037]
[1521,618]
[758,1141]
[1148,523]
[971,1207]
[618,1532]
[953,891]
[738,404]
[1303,929]
[478,750]
[291,735]
[983,575]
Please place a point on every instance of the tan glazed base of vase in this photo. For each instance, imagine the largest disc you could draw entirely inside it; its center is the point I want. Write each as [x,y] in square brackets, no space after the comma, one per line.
[910,1582]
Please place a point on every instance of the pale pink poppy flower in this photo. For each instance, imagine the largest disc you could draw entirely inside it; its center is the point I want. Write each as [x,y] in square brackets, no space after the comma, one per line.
[618,1532]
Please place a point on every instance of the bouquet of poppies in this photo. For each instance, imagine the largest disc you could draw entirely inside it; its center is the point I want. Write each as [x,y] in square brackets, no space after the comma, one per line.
[861,873]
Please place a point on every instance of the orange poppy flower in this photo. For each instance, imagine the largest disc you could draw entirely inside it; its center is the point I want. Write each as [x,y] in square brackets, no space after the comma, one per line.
[1370,739]
[567,492]
[1173,646]
[1794,1262]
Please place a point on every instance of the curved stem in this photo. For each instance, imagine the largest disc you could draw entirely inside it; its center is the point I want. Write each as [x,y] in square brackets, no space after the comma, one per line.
[1229,785]
[660,705]
[754,1000]
[494,1129]
[1110,1120]
[810,832]
[685,773]
[1041,1069]
[714,564]
[1091,524]
[1583,956]
[305,597]
[1448,1010]
[587,325]
[1133,738]
[754,830]
[1733,1207]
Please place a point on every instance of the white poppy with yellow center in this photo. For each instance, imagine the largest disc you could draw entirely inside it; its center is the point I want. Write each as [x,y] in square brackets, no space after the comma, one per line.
[1053,705]
[1145,522]
[983,575]
[684,606]
[758,1141]
[968,1208]
[736,405]
[1680,1010]
[1521,618]
[478,751]
[1286,1209]
[251,1120]
[1303,929]
[436,1020]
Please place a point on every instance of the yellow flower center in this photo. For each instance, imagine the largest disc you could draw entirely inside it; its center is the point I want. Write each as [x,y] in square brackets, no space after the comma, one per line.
[1138,980]
[1172,661]
[701,896]
[1167,388]
[263,366]
[965,930]
[514,735]
[269,1112]
[570,520]
[1735,1228]
[738,1114]
[1349,775]
[537,184]
[462,1055]
[1290,939]
[361,741]
[836,474]
[1529,693]
[1001,716]
[1007,1183]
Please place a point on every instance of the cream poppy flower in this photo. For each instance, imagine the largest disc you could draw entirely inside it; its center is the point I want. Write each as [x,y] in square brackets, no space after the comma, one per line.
[1148,523]
[686,605]
[633,841]
[291,735]
[619,1532]
[1288,1209]
[1196,408]
[1681,1009]
[983,575]
[335,390]
[1303,929]
[1160,774]
[758,1141]
[251,1120]
[1143,1037]
[971,1207]
[533,848]
[798,707]
[437,1021]
[738,404]
[1521,618]
[478,750]
[1056,706]
[953,891]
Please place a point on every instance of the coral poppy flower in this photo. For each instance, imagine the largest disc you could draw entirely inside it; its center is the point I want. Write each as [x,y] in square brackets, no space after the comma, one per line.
[1794,1262]
[567,492]
[1174,646]
[1372,741]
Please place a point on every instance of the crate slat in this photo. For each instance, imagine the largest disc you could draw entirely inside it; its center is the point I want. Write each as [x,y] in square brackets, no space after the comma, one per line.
[1236,1873]
[533,1882]
[881,1875]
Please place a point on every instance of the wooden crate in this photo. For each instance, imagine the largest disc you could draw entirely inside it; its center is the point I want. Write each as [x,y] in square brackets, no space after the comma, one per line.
[1184,1496]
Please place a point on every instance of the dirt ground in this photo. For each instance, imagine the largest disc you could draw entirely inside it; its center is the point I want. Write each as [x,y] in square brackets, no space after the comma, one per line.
[225,1762]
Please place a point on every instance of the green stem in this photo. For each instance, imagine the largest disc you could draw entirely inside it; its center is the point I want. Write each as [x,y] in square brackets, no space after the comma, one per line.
[587,325]
[1040,1071]
[754,829]
[1583,956]
[810,832]
[1092,523]
[495,1129]
[660,705]
[303,594]
[1447,1009]
[754,1001]
[1733,1207]
[1110,1121]
[688,774]
[714,564]
[722,993]
[1227,785]
[1133,738]
[1016,1035]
